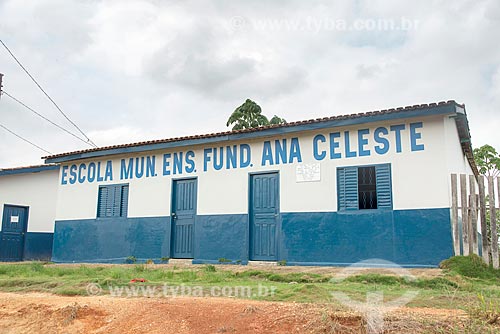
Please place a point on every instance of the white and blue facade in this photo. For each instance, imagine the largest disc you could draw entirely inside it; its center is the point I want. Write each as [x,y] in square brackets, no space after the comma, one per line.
[28,198]
[333,191]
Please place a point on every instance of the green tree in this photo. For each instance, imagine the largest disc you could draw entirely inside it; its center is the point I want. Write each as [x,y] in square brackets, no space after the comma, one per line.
[249,115]
[277,120]
[487,160]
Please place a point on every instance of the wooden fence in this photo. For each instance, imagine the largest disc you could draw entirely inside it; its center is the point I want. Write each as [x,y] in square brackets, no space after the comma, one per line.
[474,205]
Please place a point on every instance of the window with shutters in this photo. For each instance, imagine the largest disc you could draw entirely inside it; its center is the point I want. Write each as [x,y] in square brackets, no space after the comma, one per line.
[112,201]
[364,187]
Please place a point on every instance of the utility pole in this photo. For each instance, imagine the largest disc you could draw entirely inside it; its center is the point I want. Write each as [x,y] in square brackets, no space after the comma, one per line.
[1,78]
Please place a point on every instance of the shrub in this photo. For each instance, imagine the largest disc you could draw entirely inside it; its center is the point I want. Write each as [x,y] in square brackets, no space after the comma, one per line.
[470,266]
[209,268]
[130,259]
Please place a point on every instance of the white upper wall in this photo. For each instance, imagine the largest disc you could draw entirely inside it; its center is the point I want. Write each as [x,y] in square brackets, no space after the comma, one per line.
[38,191]
[419,177]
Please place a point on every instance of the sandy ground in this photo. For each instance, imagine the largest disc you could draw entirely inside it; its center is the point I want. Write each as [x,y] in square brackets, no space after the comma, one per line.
[45,313]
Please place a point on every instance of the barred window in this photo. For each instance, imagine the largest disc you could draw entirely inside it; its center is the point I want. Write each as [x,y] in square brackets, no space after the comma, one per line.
[364,187]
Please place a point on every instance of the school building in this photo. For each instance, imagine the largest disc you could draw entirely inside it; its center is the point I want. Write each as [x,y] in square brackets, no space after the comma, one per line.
[329,191]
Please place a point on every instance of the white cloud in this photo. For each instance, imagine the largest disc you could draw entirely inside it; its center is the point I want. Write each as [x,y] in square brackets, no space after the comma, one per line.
[118,135]
[133,70]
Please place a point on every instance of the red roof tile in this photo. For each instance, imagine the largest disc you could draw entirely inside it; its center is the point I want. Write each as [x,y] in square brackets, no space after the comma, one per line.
[290,124]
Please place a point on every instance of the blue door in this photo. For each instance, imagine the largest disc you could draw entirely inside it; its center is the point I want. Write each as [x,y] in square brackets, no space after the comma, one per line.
[14,224]
[183,216]
[264,216]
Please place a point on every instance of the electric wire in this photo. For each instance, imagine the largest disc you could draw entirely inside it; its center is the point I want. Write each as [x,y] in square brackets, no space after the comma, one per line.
[45,118]
[47,95]
[22,138]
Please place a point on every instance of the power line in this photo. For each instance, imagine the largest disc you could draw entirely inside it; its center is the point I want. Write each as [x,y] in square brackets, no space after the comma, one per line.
[26,140]
[46,94]
[45,118]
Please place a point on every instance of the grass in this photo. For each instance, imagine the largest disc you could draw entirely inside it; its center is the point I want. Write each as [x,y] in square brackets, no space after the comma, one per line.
[470,266]
[466,283]
[463,280]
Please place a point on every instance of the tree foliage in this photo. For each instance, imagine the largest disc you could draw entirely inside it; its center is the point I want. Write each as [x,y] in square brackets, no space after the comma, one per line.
[249,115]
[277,120]
[487,160]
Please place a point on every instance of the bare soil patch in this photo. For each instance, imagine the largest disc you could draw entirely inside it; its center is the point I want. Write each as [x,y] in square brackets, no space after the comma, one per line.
[46,313]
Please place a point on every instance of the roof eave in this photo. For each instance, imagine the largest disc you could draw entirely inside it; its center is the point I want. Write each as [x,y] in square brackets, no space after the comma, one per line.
[465,138]
[26,170]
[441,109]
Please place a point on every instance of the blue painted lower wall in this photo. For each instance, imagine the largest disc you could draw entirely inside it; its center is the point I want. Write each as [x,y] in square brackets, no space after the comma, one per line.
[411,238]
[221,236]
[111,240]
[38,246]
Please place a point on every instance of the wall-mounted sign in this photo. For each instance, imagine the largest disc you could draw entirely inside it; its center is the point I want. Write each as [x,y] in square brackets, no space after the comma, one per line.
[323,146]
[308,172]
[14,219]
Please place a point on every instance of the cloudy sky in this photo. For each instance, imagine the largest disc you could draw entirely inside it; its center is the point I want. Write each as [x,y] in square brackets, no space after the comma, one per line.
[128,70]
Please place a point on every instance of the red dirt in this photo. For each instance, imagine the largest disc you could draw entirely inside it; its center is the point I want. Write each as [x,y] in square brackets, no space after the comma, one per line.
[45,313]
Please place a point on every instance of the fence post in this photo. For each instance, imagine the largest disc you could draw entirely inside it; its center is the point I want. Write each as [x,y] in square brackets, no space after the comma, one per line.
[473,247]
[484,227]
[465,214]
[493,220]
[454,215]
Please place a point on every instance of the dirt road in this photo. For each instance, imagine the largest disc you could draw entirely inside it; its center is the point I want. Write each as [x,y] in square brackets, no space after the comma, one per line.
[45,313]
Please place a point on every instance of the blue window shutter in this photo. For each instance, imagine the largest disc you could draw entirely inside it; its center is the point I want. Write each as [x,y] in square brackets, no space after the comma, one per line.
[384,186]
[102,202]
[351,188]
[117,200]
[341,188]
[124,201]
[110,212]
[112,201]
[347,180]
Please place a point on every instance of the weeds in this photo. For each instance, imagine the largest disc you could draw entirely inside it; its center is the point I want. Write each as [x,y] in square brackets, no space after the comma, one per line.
[486,309]
[224,260]
[210,268]
[140,268]
[470,266]
[131,259]
[281,263]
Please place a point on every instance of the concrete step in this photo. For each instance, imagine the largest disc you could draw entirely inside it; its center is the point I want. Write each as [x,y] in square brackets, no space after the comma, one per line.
[262,263]
[181,262]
